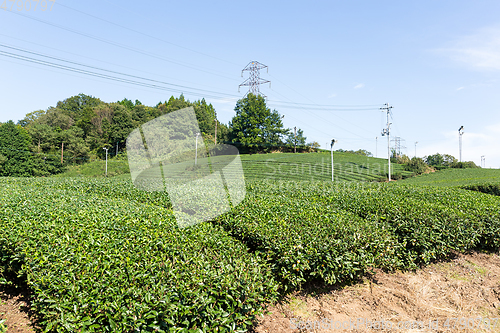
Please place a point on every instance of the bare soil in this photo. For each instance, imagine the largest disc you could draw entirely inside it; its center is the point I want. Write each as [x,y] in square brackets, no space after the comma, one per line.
[15,308]
[467,286]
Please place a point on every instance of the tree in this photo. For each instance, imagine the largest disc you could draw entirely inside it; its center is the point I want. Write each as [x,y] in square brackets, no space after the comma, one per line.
[14,147]
[314,145]
[31,118]
[440,160]
[255,127]
[74,106]
[417,165]
[298,140]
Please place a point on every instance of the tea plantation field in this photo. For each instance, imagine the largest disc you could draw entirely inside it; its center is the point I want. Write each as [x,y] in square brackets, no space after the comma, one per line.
[102,256]
[456,177]
[279,166]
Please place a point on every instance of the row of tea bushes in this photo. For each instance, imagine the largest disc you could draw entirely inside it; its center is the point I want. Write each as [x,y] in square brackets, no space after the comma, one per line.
[98,264]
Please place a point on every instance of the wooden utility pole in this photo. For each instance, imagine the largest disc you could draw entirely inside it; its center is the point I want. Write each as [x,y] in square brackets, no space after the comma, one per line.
[62,150]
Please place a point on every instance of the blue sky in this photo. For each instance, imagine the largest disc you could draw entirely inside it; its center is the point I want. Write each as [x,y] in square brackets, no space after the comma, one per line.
[436,62]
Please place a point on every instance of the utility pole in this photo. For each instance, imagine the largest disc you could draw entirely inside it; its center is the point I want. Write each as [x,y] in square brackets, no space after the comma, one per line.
[416,149]
[333,142]
[196,156]
[460,133]
[376,146]
[387,131]
[215,141]
[295,139]
[106,149]
[62,150]
[254,80]
[483,161]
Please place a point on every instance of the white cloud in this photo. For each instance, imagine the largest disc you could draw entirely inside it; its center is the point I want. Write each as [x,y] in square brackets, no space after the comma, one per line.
[358,86]
[460,88]
[480,50]
[332,95]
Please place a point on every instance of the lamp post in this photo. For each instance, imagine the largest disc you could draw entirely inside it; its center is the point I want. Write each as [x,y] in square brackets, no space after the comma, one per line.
[331,145]
[106,149]
[460,133]
[196,156]
[416,148]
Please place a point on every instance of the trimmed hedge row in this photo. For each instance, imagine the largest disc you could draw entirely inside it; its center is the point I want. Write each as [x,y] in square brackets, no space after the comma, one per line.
[97,264]
[335,232]
[490,188]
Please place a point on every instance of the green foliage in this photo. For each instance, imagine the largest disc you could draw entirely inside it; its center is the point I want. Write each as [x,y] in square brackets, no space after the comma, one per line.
[457,177]
[361,152]
[440,160]
[463,165]
[14,147]
[488,188]
[309,230]
[417,166]
[3,328]
[296,140]
[103,256]
[85,124]
[255,127]
[116,166]
[108,263]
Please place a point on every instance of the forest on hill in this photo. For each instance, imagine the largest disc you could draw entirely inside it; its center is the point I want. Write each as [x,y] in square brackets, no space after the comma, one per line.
[77,129]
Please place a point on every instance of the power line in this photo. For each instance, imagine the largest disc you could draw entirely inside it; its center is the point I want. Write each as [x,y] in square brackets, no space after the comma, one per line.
[104,76]
[144,34]
[114,72]
[99,60]
[119,45]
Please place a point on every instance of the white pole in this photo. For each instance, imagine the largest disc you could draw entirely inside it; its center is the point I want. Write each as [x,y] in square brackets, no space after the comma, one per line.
[376,146]
[332,162]
[416,148]
[460,133]
[388,146]
[106,149]
[196,156]
[333,142]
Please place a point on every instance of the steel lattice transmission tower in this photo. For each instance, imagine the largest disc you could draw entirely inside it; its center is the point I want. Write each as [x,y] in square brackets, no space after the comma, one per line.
[254,80]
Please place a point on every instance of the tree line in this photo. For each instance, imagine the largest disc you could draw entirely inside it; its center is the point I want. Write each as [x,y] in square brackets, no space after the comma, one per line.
[78,128]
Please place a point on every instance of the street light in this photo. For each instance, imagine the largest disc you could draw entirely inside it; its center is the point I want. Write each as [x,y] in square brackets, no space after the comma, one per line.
[106,149]
[196,156]
[460,133]
[331,145]
[416,148]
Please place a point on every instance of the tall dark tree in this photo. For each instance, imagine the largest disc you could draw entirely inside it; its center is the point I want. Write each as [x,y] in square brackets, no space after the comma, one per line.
[15,150]
[255,127]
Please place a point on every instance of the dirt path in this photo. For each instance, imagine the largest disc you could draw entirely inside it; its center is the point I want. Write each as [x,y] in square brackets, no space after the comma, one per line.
[468,286]
[14,307]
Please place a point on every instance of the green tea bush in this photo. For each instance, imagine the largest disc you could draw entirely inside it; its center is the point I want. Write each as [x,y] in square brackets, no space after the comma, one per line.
[99,264]
[489,188]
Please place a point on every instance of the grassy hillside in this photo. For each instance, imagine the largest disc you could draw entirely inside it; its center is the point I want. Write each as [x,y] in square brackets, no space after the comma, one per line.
[278,166]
